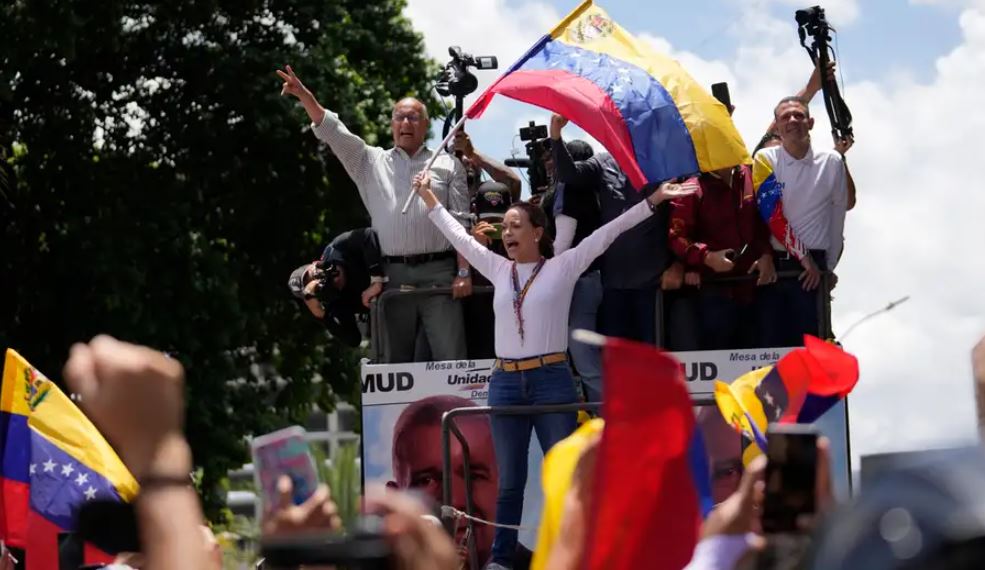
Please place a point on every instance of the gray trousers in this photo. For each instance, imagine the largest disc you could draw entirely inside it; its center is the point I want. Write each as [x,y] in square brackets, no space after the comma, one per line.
[438,316]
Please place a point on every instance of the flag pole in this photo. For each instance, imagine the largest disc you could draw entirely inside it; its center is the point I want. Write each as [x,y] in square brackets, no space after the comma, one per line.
[588,337]
[584,5]
[434,157]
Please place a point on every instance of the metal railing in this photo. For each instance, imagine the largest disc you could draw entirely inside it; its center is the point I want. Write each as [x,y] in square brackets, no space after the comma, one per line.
[449,428]
[822,297]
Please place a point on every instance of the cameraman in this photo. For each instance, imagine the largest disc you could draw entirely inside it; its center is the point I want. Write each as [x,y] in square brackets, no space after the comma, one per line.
[342,283]
[476,163]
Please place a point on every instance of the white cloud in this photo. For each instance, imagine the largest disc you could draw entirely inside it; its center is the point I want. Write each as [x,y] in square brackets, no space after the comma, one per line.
[917,229]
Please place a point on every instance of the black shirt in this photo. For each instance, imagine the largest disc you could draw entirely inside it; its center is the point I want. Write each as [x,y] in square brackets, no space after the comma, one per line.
[638,257]
[358,253]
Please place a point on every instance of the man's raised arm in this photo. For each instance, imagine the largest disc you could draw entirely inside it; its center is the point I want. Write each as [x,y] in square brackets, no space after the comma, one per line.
[351,150]
[566,169]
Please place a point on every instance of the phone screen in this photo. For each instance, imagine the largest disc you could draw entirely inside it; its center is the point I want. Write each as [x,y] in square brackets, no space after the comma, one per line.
[790,477]
[284,452]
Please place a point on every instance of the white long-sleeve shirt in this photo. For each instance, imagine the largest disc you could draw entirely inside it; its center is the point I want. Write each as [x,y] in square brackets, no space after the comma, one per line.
[384,178]
[545,308]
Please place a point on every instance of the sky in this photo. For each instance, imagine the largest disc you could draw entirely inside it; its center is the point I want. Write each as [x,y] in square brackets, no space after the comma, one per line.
[912,72]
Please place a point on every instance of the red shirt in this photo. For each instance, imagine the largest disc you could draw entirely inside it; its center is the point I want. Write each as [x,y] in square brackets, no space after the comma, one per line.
[719,217]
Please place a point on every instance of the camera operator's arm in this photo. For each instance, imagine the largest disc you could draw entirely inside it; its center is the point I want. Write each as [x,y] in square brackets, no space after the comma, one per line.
[567,170]
[842,146]
[494,168]
[839,205]
[458,201]
[352,151]
[373,258]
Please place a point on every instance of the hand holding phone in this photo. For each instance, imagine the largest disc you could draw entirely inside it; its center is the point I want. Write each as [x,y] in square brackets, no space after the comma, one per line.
[791,478]
[284,452]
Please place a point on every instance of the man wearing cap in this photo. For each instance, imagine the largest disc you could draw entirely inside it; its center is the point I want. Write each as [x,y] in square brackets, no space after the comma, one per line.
[415,254]
[342,283]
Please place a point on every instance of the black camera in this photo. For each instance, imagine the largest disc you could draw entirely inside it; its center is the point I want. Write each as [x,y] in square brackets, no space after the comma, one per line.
[456,79]
[325,273]
[538,147]
[811,23]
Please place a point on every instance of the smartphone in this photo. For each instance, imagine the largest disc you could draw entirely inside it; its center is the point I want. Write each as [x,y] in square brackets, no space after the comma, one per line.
[791,475]
[720,92]
[497,232]
[284,452]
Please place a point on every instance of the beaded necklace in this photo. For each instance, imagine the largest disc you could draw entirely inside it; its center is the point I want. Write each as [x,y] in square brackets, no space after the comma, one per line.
[520,294]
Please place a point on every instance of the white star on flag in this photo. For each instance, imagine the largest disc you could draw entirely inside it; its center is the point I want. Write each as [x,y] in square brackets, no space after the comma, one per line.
[67,470]
[623,71]
[49,466]
[90,494]
[33,469]
[617,88]
[82,479]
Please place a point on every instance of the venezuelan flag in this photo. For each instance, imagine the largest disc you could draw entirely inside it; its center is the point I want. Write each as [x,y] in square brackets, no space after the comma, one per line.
[800,388]
[654,119]
[53,461]
[769,199]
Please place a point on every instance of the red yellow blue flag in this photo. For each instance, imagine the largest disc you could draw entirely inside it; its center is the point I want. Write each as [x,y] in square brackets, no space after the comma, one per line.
[54,460]
[800,388]
[655,120]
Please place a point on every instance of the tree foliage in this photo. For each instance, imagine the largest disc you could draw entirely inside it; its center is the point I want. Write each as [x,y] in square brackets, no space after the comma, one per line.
[157,187]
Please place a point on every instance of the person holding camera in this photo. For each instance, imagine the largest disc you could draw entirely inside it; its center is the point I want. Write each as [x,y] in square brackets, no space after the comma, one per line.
[342,283]
[531,299]
[802,193]
[572,215]
[415,254]
[477,163]
[638,263]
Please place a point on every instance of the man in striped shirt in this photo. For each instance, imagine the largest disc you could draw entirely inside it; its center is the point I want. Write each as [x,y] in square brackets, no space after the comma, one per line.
[415,254]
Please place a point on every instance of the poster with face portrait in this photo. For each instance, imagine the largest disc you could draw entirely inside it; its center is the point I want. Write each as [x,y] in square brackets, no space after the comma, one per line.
[402,406]
[702,368]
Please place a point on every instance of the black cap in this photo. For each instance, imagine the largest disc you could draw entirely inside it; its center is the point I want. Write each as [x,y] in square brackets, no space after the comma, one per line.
[492,199]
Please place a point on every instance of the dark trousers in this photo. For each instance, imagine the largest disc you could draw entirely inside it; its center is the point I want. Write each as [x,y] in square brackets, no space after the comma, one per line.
[726,322]
[786,311]
[629,313]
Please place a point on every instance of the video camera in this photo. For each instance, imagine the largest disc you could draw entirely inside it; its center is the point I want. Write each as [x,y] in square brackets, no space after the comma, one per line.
[325,272]
[811,22]
[456,79]
[538,146]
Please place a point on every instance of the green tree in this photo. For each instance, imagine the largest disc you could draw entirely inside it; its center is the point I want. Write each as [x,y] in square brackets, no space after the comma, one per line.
[158,188]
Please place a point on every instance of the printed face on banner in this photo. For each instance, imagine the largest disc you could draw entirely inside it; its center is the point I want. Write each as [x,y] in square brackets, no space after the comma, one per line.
[402,409]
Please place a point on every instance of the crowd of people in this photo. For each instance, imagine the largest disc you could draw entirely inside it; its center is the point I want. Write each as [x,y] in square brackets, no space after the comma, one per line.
[741,257]
[924,511]
[742,263]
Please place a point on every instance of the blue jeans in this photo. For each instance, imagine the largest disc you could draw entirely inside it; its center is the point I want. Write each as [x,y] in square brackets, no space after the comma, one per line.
[552,384]
[584,315]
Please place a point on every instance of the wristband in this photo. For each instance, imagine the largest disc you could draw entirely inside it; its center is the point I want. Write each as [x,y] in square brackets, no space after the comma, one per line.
[379,279]
[155,481]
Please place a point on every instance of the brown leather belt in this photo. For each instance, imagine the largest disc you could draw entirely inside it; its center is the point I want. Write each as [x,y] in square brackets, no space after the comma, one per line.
[507,365]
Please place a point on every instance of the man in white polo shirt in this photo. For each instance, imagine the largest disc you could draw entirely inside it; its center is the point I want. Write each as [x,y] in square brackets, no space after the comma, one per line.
[802,194]
[415,254]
